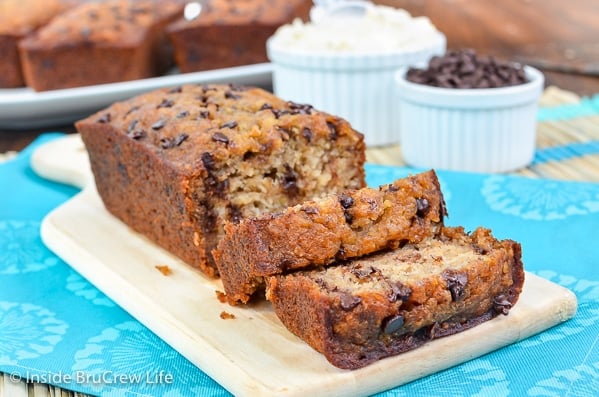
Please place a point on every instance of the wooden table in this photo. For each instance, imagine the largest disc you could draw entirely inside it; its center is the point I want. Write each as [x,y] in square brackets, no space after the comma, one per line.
[559,37]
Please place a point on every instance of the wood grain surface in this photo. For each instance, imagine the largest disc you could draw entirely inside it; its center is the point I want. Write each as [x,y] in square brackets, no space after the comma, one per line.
[559,37]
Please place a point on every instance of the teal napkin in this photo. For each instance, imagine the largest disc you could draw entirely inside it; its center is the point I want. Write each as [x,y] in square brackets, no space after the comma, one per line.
[57,328]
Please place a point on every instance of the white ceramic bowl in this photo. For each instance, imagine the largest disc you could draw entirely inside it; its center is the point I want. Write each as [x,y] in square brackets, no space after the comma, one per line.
[357,87]
[477,130]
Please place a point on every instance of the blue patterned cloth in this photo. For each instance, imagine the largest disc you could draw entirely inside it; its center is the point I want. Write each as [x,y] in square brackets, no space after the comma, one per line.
[57,328]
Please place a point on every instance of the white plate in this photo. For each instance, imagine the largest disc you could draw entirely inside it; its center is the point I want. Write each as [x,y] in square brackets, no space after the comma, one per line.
[23,108]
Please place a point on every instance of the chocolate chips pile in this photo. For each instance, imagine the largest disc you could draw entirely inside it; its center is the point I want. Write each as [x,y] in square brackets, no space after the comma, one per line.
[466,69]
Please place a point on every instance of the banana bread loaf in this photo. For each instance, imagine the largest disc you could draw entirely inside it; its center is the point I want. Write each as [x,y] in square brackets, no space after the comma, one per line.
[175,164]
[336,227]
[225,33]
[366,309]
[18,18]
[100,42]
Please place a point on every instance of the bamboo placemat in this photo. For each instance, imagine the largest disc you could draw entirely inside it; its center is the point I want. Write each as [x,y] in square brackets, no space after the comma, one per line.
[567,140]
[567,149]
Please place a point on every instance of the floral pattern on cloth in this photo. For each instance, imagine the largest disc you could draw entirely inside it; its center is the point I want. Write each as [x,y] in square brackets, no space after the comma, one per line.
[21,248]
[53,321]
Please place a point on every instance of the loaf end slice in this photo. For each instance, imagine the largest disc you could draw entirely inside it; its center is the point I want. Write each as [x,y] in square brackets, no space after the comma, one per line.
[336,227]
[366,309]
[176,163]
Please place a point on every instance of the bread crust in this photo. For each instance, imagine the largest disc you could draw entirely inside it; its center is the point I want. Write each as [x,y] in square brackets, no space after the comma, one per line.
[98,43]
[175,164]
[19,18]
[231,33]
[363,310]
[341,226]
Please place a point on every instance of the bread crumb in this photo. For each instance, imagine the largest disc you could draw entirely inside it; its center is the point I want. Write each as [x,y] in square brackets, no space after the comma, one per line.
[226,315]
[221,296]
[165,270]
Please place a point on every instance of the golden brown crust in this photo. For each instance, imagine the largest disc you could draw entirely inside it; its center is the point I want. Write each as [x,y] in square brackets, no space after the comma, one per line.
[319,232]
[366,309]
[18,18]
[100,42]
[231,33]
[176,163]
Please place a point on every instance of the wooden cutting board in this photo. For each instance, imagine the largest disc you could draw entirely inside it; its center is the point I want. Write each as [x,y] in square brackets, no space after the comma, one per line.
[252,354]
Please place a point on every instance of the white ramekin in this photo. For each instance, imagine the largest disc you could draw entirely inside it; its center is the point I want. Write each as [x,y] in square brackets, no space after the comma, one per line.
[357,87]
[475,130]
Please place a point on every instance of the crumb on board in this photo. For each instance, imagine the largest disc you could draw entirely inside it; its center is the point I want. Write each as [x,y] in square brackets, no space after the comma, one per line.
[164,269]
[221,296]
[226,315]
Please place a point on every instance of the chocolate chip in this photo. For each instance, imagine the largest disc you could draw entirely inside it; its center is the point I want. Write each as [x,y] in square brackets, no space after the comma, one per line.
[208,160]
[105,118]
[123,171]
[279,112]
[333,134]
[230,95]
[310,210]
[131,110]
[393,324]
[180,139]
[237,87]
[169,142]
[159,124]
[346,201]
[479,250]
[362,272]
[349,301]
[289,182]
[235,215]
[183,114]
[422,207]
[229,124]
[399,292]
[204,114]
[220,137]
[340,255]
[206,88]
[165,103]
[465,69]
[307,133]
[455,284]
[266,106]
[392,188]
[298,108]
[132,126]
[175,90]
[137,134]
[501,304]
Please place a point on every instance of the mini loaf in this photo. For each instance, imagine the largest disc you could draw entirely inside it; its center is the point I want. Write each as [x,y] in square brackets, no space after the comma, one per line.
[175,164]
[336,227]
[18,18]
[229,33]
[366,309]
[100,42]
